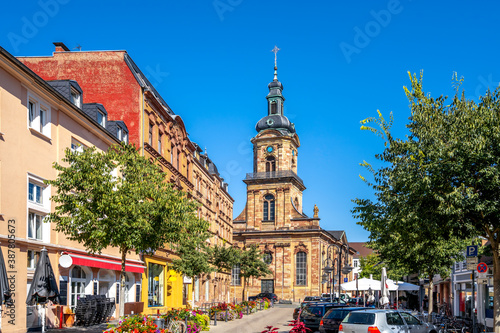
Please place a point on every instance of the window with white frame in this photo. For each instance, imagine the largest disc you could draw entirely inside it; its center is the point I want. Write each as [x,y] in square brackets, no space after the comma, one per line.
[38,205]
[77,146]
[32,259]
[125,136]
[38,115]
[119,133]
[35,193]
[101,119]
[35,225]
[76,97]
[235,275]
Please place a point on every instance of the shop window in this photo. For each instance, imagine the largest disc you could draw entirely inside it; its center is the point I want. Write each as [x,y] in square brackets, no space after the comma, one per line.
[156,284]
[78,283]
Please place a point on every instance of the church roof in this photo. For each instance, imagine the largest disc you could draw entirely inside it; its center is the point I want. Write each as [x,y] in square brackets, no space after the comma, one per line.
[275,121]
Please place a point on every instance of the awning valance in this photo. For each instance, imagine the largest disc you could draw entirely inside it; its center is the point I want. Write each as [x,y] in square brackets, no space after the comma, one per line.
[103,262]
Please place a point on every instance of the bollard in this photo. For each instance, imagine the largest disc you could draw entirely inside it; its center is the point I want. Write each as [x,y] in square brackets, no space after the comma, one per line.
[186,322]
[215,318]
[260,305]
[226,315]
[160,323]
[247,310]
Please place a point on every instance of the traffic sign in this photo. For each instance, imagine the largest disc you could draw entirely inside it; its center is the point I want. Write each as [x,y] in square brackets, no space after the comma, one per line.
[482,281]
[471,267]
[482,267]
[345,279]
[472,260]
[472,251]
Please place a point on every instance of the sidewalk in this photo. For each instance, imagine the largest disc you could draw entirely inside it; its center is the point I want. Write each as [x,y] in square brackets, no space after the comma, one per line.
[279,316]
[89,329]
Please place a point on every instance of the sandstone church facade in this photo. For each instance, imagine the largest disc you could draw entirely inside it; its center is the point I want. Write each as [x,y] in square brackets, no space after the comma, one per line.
[295,246]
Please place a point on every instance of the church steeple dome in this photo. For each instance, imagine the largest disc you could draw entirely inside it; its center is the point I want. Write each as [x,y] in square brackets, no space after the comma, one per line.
[275,105]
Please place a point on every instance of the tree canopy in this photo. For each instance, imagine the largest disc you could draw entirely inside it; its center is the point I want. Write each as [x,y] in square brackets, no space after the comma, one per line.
[418,221]
[119,199]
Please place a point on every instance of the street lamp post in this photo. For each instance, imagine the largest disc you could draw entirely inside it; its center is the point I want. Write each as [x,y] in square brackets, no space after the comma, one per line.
[346,269]
[328,270]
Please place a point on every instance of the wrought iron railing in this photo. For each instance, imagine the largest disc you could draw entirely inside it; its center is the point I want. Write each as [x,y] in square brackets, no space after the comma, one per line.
[273,175]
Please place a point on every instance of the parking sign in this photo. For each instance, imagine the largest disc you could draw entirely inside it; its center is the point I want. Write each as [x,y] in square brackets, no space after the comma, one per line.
[472,251]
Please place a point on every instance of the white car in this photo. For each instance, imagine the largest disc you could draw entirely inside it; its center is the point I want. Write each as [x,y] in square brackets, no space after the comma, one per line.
[383,321]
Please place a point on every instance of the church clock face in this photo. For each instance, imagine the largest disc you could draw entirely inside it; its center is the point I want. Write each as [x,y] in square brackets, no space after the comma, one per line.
[269,149]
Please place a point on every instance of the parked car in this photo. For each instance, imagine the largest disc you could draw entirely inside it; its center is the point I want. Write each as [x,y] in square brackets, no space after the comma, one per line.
[296,313]
[312,313]
[333,317]
[269,296]
[356,301]
[383,321]
[311,299]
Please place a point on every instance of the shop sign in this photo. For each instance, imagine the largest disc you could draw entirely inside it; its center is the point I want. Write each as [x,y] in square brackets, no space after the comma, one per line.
[188,280]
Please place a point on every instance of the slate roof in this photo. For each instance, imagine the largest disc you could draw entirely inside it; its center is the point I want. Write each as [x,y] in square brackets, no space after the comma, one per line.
[64,87]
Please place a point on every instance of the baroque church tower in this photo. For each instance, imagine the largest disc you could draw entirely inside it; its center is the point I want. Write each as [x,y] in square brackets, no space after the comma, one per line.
[274,190]
[294,245]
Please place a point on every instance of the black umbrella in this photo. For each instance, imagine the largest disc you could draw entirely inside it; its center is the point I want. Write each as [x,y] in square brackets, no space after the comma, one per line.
[5,294]
[44,286]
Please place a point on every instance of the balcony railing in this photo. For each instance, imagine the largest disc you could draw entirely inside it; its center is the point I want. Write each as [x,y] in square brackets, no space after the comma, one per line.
[274,175]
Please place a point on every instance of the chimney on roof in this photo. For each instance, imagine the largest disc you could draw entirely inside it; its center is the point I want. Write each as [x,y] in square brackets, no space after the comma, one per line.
[60,47]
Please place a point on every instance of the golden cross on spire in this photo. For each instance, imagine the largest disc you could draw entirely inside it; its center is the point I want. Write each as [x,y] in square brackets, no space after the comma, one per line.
[275,50]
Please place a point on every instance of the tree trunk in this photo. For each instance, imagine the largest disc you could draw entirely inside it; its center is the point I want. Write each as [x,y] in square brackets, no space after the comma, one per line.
[244,287]
[122,284]
[429,297]
[496,287]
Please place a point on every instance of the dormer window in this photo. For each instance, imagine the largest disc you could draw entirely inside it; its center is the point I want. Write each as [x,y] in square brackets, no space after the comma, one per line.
[101,119]
[76,98]
[119,133]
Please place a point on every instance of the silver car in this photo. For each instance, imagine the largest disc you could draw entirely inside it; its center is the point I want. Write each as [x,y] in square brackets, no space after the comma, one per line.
[383,321]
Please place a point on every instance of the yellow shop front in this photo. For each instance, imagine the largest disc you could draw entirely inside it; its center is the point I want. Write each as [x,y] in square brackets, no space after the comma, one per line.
[162,287]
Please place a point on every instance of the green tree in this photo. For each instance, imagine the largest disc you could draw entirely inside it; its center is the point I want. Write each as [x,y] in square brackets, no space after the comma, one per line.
[372,265]
[193,250]
[223,258]
[120,199]
[252,265]
[416,222]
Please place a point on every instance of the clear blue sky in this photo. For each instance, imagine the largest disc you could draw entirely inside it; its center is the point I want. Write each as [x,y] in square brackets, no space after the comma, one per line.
[339,62]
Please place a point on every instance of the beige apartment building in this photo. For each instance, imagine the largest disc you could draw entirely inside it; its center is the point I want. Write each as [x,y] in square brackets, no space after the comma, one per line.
[38,121]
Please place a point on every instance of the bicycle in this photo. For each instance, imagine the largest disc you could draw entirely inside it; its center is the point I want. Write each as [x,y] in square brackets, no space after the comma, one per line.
[176,326]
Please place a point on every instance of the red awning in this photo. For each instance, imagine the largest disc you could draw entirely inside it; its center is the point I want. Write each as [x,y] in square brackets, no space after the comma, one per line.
[103,262]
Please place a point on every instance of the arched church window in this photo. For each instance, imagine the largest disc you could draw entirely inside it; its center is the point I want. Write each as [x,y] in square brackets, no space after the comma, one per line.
[274,107]
[270,164]
[301,268]
[269,207]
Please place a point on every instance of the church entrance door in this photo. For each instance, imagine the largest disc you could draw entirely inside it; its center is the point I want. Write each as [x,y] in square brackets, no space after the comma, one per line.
[267,286]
